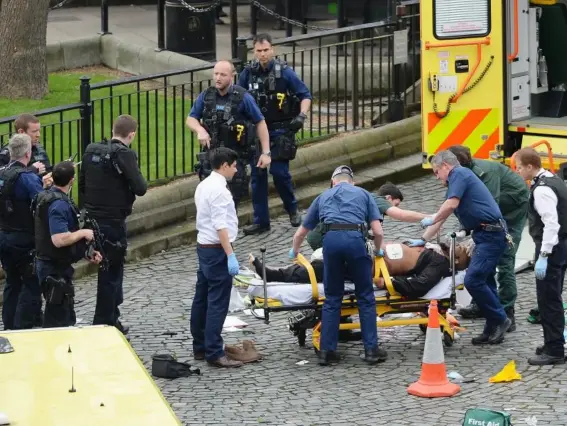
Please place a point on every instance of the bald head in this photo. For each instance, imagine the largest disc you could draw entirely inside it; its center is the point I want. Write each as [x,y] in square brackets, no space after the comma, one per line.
[223,74]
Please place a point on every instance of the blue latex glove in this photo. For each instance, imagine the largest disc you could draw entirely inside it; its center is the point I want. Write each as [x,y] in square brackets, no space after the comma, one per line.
[415,243]
[541,268]
[292,254]
[425,222]
[233,265]
[379,253]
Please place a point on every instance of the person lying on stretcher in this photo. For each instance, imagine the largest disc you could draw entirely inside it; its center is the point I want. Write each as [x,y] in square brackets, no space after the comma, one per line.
[414,270]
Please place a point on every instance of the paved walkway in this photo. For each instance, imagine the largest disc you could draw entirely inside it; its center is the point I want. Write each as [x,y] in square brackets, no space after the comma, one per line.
[138,25]
[158,295]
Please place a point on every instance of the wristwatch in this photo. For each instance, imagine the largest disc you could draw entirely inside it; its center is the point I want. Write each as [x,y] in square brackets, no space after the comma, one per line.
[544,254]
[269,154]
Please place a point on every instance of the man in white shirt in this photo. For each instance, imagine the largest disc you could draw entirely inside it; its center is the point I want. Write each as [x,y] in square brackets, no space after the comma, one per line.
[217,227]
[547,216]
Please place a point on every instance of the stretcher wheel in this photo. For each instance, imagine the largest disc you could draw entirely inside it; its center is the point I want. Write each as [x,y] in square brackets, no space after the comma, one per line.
[448,339]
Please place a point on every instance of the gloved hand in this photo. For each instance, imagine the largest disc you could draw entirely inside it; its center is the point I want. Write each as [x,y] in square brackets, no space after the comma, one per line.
[415,243]
[233,266]
[297,122]
[540,268]
[428,221]
[379,253]
[292,253]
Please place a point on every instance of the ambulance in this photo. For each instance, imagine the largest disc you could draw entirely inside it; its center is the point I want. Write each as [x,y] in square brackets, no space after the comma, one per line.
[494,78]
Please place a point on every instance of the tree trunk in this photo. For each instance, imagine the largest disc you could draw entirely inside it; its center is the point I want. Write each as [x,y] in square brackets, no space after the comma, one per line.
[23,39]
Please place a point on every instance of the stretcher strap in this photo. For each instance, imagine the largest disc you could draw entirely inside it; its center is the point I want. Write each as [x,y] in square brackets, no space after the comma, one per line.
[381,269]
[311,272]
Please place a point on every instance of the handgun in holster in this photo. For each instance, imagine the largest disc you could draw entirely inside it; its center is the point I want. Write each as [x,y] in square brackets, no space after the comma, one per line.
[114,251]
[57,289]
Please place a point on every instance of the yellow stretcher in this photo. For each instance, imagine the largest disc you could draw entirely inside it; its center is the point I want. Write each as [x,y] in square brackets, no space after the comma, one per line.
[308,316]
[78,376]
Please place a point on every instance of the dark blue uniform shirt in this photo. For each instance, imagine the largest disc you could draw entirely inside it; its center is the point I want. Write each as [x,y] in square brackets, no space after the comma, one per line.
[28,186]
[248,107]
[292,81]
[476,204]
[61,217]
[344,204]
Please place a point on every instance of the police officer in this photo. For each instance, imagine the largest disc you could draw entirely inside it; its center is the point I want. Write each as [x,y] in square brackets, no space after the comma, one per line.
[345,210]
[547,220]
[230,118]
[284,100]
[477,211]
[29,124]
[59,243]
[511,193]
[388,200]
[108,184]
[19,186]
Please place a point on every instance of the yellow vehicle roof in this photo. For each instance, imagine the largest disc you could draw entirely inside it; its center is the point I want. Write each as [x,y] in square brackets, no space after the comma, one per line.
[112,387]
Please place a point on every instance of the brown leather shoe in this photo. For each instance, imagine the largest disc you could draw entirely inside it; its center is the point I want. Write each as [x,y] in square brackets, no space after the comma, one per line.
[199,356]
[224,362]
[245,354]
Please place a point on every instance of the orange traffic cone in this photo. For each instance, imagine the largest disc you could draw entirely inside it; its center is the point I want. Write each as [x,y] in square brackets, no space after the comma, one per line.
[433,382]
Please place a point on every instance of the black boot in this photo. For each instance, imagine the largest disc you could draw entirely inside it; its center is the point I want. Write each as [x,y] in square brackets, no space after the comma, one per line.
[470,312]
[328,357]
[510,314]
[374,356]
[256,229]
[497,334]
[295,219]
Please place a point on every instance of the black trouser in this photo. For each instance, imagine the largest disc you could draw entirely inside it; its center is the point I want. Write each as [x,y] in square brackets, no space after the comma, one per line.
[549,299]
[62,313]
[21,308]
[431,267]
[109,294]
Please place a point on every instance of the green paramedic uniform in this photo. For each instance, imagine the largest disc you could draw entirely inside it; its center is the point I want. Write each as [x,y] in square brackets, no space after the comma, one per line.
[315,237]
[512,195]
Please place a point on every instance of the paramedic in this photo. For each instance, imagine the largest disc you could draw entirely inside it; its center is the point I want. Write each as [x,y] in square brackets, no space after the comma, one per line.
[512,194]
[217,227]
[22,296]
[345,210]
[388,199]
[477,211]
[547,219]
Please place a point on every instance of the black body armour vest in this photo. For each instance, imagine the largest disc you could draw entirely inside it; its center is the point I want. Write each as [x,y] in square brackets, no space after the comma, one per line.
[45,249]
[270,91]
[535,222]
[226,125]
[15,215]
[107,193]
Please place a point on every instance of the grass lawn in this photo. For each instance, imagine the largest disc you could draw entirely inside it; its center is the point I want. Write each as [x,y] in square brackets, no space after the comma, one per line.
[166,148]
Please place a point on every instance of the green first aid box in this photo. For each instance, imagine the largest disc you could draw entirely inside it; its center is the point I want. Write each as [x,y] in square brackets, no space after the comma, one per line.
[484,417]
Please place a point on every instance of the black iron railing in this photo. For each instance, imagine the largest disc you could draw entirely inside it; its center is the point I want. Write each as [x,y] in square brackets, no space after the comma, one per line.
[350,71]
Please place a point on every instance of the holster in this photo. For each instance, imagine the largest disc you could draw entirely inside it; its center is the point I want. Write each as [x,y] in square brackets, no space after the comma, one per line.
[203,166]
[167,367]
[240,182]
[283,147]
[56,289]
[115,252]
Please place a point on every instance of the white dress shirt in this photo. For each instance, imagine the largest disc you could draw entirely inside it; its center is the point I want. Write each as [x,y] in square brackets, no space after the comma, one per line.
[215,210]
[545,203]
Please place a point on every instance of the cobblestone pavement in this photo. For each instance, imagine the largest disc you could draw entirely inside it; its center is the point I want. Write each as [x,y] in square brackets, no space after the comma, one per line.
[158,294]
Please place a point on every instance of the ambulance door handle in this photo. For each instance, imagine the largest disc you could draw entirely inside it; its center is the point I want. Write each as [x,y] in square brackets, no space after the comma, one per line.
[514,56]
